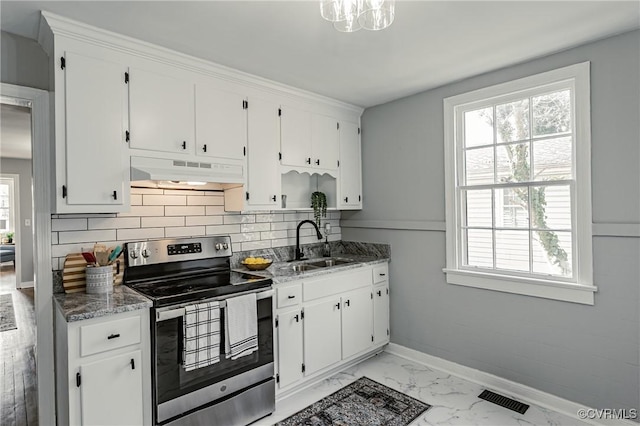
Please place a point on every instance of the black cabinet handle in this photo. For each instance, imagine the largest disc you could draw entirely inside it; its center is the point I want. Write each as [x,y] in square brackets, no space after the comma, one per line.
[64,191]
[113,336]
[338,306]
[309,160]
[346,199]
[318,162]
[133,364]
[78,380]
[115,195]
[380,293]
[204,147]
[383,275]
[297,317]
[274,198]
[348,303]
[184,144]
[291,297]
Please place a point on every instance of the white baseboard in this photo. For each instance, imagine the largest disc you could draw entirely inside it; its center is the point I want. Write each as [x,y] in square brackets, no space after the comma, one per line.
[27,284]
[501,385]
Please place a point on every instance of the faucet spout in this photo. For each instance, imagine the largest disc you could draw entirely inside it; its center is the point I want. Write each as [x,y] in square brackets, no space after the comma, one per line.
[299,254]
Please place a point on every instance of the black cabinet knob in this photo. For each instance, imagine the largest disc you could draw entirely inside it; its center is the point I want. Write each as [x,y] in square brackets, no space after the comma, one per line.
[379,293]
[346,199]
[274,198]
[204,147]
[115,195]
[297,317]
[184,144]
[318,162]
[309,160]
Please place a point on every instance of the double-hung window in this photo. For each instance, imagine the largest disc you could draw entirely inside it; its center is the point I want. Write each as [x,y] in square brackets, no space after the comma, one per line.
[518,193]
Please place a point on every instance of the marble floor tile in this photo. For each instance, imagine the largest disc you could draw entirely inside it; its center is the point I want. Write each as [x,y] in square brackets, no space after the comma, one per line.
[454,400]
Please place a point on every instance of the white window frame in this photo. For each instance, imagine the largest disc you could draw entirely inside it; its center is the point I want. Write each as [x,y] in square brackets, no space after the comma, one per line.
[580,288]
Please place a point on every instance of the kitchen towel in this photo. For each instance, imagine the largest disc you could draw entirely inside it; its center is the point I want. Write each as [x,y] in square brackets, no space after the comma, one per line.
[241,326]
[201,335]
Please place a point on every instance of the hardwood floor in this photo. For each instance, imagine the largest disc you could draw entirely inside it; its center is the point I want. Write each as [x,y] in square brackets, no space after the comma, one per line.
[18,404]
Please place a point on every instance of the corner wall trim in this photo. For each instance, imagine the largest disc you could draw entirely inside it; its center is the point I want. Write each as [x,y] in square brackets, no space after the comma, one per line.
[504,386]
[408,225]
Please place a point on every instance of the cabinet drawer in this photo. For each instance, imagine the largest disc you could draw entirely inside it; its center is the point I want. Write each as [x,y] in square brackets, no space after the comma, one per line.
[380,273]
[334,284]
[289,296]
[109,335]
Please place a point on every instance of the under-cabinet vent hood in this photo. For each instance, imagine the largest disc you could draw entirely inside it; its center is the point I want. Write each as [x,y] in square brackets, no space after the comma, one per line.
[164,172]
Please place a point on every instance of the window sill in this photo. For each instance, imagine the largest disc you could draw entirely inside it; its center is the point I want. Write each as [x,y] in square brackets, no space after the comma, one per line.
[555,290]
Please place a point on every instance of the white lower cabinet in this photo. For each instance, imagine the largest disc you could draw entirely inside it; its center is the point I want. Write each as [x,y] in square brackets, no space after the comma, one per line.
[325,322]
[103,371]
[322,335]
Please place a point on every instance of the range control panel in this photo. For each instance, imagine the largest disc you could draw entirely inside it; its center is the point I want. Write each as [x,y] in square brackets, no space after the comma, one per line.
[162,251]
[173,249]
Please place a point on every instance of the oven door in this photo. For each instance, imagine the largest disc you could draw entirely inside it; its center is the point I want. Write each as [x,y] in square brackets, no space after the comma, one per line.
[178,391]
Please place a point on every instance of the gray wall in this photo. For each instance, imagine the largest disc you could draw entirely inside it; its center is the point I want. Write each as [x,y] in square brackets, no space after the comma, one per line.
[23,62]
[23,169]
[587,354]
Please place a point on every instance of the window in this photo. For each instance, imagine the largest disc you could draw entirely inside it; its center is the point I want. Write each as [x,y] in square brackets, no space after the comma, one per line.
[6,201]
[518,186]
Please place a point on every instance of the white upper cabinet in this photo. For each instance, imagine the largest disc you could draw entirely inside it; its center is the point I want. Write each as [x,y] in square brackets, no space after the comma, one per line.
[221,123]
[92,168]
[324,142]
[263,176]
[295,137]
[161,112]
[350,167]
[308,140]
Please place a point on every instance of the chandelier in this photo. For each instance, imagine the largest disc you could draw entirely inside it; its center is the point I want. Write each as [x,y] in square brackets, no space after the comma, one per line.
[351,15]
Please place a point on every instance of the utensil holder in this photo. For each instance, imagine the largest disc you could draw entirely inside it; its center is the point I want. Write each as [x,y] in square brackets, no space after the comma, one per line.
[99,279]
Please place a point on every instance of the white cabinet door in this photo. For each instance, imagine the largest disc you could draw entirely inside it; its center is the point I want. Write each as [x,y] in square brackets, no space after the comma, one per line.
[111,391]
[295,138]
[289,347]
[324,142]
[357,327]
[381,314]
[221,123]
[350,169]
[322,346]
[162,112]
[95,116]
[263,173]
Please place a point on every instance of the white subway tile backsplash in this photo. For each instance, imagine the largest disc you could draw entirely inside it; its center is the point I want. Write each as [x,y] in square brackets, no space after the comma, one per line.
[214,210]
[254,227]
[203,220]
[68,237]
[184,211]
[164,200]
[139,234]
[239,218]
[223,229]
[185,231]
[69,224]
[144,211]
[157,213]
[156,222]
[256,245]
[146,191]
[114,223]
[207,200]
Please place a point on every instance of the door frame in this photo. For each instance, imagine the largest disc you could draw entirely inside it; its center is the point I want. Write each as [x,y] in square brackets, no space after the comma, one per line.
[17,222]
[42,175]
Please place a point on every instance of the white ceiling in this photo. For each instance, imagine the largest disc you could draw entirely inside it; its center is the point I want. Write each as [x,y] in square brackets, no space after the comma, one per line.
[15,131]
[431,43]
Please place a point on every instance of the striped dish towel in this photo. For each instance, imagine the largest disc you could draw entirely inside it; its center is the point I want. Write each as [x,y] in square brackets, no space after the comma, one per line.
[241,326]
[201,335]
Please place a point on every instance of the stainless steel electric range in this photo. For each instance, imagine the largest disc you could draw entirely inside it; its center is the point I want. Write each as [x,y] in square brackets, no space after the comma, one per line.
[181,272]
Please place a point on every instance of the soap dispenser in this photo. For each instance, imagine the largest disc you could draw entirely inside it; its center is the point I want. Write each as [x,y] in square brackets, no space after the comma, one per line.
[326,250]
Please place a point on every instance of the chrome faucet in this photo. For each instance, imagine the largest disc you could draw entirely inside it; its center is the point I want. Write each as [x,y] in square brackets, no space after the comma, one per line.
[299,253]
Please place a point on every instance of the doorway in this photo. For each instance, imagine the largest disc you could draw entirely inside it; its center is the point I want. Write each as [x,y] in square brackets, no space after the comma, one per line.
[33,385]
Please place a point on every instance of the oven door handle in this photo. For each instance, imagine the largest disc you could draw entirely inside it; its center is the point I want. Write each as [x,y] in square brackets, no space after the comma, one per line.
[179,312]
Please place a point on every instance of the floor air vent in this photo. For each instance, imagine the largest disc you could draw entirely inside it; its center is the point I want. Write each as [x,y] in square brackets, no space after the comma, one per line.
[503,401]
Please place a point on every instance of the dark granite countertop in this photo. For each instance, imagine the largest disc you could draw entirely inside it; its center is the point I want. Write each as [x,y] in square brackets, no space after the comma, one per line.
[81,306]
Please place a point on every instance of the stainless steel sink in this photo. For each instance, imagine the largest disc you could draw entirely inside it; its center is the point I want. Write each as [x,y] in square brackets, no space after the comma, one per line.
[301,267]
[324,263]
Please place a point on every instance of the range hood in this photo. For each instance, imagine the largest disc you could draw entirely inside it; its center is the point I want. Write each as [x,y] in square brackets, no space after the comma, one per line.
[169,173]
